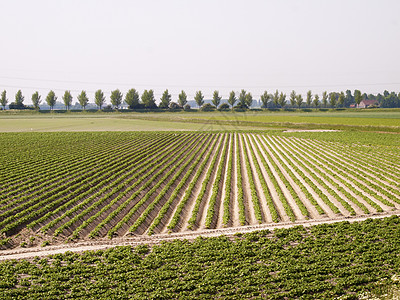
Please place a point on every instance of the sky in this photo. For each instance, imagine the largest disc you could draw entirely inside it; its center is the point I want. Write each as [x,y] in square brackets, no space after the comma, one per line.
[208,45]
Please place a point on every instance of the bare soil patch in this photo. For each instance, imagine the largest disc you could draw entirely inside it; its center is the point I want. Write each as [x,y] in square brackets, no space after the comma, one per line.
[26,253]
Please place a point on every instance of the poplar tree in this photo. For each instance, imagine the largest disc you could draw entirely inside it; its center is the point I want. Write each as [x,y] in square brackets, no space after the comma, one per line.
[165,99]
[83,99]
[282,100]
[182,99]
[341,99]
[333,100]
[216,100]
[19,99]
[249,99]
[132,98]
[316,101]
[148,99]
[116,98]
[242,98]
[51,99]
[292,98]
[36,100]
[275,98]
[232,99]
[325,99]
[99,98]
[299,100]
[309,99]
[199,98]
[265,97]
[3,99]
[67,98]
[357,97]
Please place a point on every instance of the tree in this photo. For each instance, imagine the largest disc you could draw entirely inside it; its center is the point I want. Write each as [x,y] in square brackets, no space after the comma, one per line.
[199,99]
[148,99]
[299,100]
[380,98]
[36,100]
[275,98]
[341,99]
[357,96]
[333,99]
[132,98]
[99,98]
[325,99]
[232,99]
[265,99]
[385,93]
[216,100]
[19,99]
[3,99]
[116,98]
[83,99]
[316,101]
[242,98]
[349,99]
[292,98]
[282,100]
[365,96]
[391,100]
[165,99]
[182,99]
[224,106]
[207,107]
[51,99]
[309,99]
[67,98]
[249,99]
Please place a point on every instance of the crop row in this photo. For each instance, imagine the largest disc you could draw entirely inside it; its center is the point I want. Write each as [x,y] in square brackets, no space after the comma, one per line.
[151,183]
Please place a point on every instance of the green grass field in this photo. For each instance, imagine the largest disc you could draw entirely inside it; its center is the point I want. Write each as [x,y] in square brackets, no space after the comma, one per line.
[113,123]
[344,118]
[375,120]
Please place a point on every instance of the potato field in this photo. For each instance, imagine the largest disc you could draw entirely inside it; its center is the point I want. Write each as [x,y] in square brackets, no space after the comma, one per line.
[108,184]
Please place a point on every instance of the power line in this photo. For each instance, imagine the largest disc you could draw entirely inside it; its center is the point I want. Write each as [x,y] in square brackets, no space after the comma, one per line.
[202,86]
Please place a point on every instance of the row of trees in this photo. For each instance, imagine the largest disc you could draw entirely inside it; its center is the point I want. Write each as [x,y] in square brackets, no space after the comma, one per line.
[243,101]
[131,98]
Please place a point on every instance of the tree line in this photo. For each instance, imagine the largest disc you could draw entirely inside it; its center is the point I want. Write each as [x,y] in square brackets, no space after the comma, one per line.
[243,100]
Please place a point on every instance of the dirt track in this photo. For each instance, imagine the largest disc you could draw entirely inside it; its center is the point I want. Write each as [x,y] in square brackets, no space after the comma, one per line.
[25,253]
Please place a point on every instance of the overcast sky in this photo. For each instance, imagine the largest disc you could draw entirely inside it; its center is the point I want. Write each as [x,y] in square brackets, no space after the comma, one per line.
[199,45]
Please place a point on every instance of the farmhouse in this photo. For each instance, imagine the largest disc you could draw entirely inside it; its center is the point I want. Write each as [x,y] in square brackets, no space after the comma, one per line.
[367,103]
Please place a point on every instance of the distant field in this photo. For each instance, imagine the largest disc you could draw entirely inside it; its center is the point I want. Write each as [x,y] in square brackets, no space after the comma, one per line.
[77,123]
[378,120]
[367,118]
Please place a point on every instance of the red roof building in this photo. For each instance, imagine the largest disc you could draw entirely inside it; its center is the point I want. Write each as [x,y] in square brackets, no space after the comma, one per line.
[367,103]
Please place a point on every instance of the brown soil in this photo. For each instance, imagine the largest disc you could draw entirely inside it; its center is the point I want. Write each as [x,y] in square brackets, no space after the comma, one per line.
[260,192]
[322,204]
[234,204]
[187,211]
[274,194]
[288,196]
[306,157]
[202,214]
[249,209]
[311,209]
[26,253]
